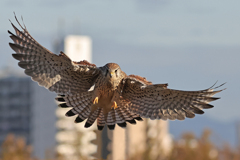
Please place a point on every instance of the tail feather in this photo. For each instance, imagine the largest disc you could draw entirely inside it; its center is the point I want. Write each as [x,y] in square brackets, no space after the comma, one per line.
[81,106]
[101,120]
[126,114]
[84,113]
[119,117]
[92,117]
[110,119]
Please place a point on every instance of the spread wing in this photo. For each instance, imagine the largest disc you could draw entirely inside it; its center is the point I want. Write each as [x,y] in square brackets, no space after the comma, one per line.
[159,102]
[55,72]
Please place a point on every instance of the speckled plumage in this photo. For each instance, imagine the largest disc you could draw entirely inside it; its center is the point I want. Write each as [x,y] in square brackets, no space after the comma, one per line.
[105,94]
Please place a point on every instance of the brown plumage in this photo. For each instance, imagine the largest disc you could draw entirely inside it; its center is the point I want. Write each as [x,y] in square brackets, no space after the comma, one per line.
[103,93]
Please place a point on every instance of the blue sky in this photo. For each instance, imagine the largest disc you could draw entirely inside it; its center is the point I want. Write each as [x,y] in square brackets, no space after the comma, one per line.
[189,44]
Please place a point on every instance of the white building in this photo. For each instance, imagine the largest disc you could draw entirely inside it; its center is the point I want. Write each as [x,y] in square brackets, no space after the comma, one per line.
[27,110]
[78,48]
[148,135]
[73,140]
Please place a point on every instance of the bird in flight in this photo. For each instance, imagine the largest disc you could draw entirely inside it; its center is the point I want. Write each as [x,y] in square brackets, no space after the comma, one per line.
[106,93]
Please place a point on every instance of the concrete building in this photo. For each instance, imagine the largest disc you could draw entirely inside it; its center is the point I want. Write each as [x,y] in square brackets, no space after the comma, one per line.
[27,110]
[78,48]
[151,137]
[73,139]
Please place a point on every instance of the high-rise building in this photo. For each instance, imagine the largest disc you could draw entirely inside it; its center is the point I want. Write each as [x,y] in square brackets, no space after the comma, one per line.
[73,139]
[15,109]
[150,137]
[27,110]
[78,48]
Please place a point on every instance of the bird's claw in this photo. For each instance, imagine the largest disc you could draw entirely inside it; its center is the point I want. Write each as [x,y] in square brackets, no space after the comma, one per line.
[114,106]
[95,101]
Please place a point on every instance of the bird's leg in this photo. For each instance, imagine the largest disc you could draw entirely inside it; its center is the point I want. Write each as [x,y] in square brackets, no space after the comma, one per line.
[115,98]
[114,106]
[95,101]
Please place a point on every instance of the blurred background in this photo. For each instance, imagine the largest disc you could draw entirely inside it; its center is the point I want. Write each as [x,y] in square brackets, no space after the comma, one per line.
[188,44]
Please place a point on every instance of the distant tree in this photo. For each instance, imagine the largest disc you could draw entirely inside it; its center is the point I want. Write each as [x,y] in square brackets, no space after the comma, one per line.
[228,153]
[15,149]
[188,147]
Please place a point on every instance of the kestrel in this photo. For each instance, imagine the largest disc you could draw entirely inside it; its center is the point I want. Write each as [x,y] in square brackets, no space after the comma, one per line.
[104,93]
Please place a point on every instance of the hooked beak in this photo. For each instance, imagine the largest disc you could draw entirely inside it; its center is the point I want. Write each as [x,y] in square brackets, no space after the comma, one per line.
[111,74]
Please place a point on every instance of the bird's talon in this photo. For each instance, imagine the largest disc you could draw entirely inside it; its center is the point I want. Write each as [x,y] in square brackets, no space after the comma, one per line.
[95,101]
[114,106]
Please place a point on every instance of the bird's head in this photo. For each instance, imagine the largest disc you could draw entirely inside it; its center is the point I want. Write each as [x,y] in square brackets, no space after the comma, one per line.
[112,71]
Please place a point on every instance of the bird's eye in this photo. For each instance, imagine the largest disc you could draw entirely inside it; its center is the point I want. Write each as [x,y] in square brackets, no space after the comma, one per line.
[116,72]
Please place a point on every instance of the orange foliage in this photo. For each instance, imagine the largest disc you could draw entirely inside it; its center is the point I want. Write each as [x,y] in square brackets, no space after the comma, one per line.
[188,147]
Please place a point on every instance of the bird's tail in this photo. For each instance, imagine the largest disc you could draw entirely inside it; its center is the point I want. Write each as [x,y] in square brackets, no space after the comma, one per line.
[81,106]
[118,116]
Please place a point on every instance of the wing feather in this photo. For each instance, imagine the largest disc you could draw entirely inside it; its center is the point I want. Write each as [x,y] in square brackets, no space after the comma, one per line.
[55,72]
[159,102]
